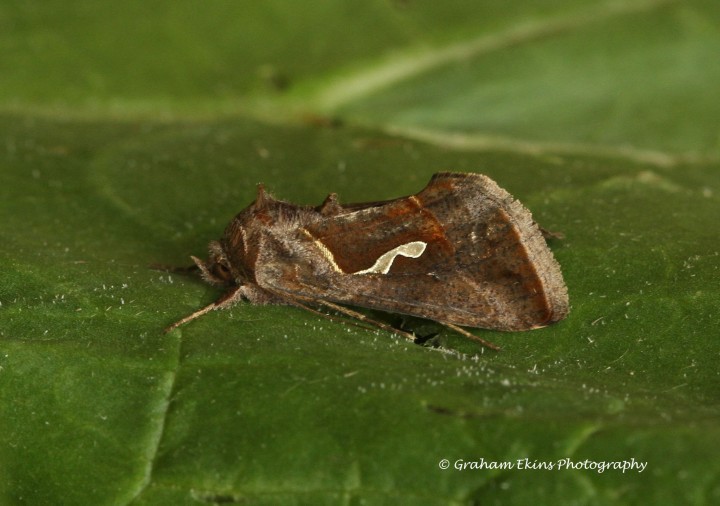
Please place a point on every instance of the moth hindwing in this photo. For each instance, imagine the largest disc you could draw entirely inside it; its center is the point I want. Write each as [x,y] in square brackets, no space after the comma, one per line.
[461,252]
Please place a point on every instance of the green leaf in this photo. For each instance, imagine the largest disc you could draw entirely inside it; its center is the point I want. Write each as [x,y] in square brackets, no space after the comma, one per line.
[132,134]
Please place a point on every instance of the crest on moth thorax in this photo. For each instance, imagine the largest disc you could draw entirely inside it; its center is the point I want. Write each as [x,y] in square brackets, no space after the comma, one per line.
[461,252]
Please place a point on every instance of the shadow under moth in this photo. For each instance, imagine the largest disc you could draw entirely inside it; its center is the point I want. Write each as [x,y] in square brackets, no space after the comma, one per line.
[461,252]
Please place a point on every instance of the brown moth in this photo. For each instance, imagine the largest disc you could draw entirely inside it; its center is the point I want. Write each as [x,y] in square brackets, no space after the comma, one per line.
[462,252]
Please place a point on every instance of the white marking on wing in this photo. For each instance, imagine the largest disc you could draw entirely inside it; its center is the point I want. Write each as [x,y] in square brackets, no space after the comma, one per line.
[324,250]
[382,265]
[244,240]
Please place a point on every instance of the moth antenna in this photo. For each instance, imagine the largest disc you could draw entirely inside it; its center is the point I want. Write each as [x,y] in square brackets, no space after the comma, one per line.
[300,305]
[330,205]
[347,312]
[473,337]
[204,271]
[363,318]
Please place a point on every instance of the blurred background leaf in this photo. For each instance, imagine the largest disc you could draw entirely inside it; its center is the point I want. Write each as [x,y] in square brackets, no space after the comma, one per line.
[131,134]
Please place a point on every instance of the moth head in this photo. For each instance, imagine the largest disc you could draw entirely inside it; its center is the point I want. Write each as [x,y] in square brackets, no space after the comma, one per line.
[217,270]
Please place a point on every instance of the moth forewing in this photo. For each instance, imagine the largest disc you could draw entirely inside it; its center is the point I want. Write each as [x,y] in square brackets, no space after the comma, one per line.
[460,252]
[485,263]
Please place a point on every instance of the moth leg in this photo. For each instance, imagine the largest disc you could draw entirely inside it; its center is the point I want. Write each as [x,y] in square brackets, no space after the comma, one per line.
[259,297]
[190,317]
[473,337]
[550,234]
[227,300]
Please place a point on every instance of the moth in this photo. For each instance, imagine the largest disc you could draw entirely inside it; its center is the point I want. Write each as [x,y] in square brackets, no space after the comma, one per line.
[462,252]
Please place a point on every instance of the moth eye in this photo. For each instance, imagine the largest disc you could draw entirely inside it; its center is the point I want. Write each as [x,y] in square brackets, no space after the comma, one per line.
[223,271]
